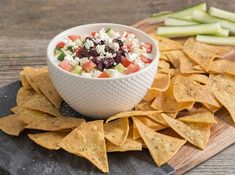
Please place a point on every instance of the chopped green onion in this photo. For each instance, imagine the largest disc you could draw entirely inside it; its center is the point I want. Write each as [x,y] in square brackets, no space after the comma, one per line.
[222,14]
[70,48]
[61,57]
[189,30]
[206,18]
[178,22]
[216,40]
[180,13]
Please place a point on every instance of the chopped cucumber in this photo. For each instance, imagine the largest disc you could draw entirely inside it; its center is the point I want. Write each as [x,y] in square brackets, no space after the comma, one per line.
[110,32]
[180,13]
[78,42]
[188,30]
[77,70]
[222,14]
[57,52]
[120,68]
[216,40]
[206,18]
[61,56]
[178,22]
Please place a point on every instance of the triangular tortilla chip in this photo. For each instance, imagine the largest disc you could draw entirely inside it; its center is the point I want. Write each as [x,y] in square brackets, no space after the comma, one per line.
[24,80]
[40,103]
[11,125]
[196,133]
[201,116]
[31,71]
[88,141]
[161,147]
[187,90]
[28,115]
[174,58]
[48,140]
[145,106]
[163,64]
[151,94]
[56,123]
[116,131]
[44,83]
[223,66]
[223,87]
[161,82]
[163,56]
[24,95]
[17,109]
[200,78]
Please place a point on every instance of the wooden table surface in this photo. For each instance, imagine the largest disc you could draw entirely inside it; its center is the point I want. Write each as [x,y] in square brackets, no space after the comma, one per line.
[26,26]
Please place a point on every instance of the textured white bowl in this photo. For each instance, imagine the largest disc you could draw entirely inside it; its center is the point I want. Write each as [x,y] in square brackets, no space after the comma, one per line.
[99,97]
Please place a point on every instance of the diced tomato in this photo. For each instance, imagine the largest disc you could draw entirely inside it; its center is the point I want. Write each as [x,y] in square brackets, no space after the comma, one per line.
[145,59]
[125,62]
[60,44]
[104,75]
[148,47]
[129,47]
[88,66]
[74,37]
[66,66]
[126,34]
[78,51]
[132,68]
[93,34]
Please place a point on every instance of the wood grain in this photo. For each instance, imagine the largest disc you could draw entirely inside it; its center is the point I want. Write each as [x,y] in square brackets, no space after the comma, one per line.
[26,27]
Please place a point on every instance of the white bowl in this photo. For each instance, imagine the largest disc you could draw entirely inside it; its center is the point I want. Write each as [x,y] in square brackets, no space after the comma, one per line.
[99,97]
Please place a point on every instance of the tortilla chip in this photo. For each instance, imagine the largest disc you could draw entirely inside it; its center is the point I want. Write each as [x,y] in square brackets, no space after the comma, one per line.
[201,116]
[186,90]
[159,118]
[223,87]
[149,123]
[151,94]
[48,140]
[174,58]
[24,95]
[163,64]
[166,44]
[161,147]
[200,78]
[116,131]
[169,71]
[28,115]
[145,106]
[163,56]
[40,103]
[17,109]
[31,71]
[44,83]
[11,125]
[196,133]
[88,141]
[167,103]
[161,82]
[202,54]
[24,80]
[131,113]
[223,66]
[56,123]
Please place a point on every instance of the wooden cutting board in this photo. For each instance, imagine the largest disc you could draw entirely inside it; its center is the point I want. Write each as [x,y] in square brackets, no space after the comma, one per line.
[222,134]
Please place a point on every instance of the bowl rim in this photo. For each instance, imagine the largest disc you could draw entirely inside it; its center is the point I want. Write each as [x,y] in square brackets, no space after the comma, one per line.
[50,46]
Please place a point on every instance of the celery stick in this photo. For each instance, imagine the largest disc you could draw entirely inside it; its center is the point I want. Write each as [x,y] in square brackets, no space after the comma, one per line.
[222,14]
[178,22]
[180,31]
[216,40]
[161,13]
[206,18]
[181,13]
[222,32]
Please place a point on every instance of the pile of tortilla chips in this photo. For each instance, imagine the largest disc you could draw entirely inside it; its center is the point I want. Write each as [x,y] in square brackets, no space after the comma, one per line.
[192,83]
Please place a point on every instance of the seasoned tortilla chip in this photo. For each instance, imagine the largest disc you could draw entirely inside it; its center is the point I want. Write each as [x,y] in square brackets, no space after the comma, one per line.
[116,131]
[212,108]
[166,44]
[149,123]
[159,118]
[17,109]
[145,106]
[88,141]
[174,58]
[223,87]
[31,71]
[24,80]
[151,94]
[163,64]
[163,56]
[161,82]
[196,133]
[56,123]
[161,147]
[200,78]
[186,90]
[28,115]
[169,71]
[40,103]
[48,140]
[223,66]
[202,54]
[24,95]
[44,83]
[167,103]
[201,116]
[11,125]
[131,113]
